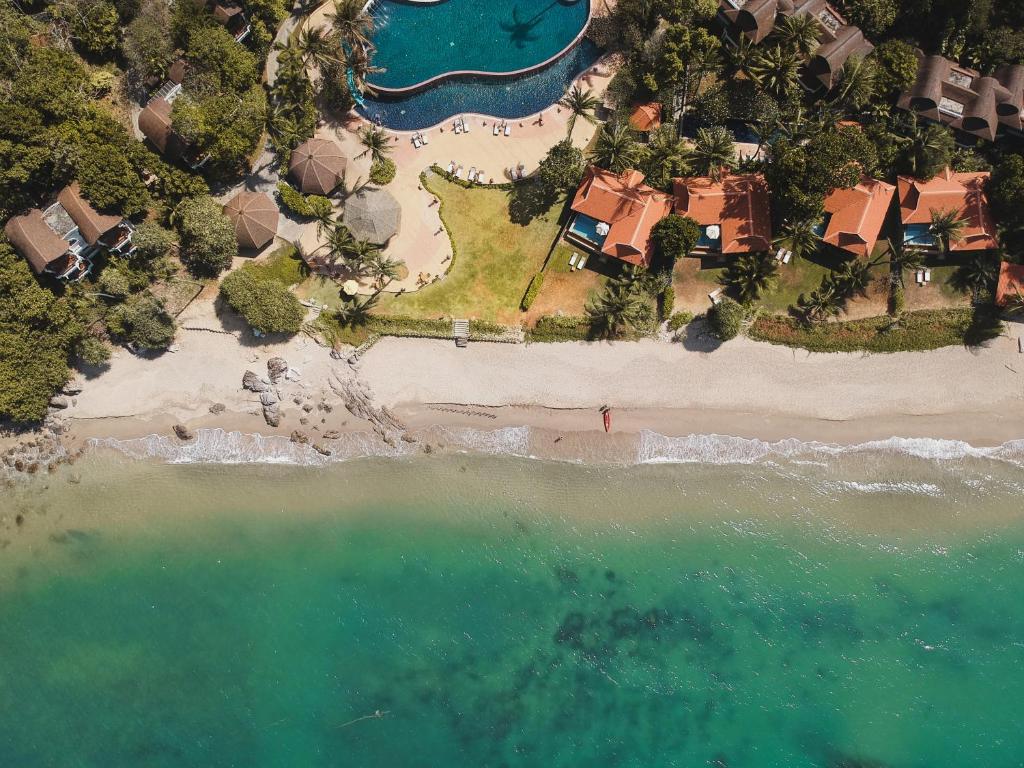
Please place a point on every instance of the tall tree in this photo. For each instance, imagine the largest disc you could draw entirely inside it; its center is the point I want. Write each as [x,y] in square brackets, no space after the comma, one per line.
[713,151]
[616,148]
[580,103]
[947,227]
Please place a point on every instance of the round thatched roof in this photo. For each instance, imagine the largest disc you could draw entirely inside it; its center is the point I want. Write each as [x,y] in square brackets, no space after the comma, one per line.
[254,215]
[317,166]
[373,215]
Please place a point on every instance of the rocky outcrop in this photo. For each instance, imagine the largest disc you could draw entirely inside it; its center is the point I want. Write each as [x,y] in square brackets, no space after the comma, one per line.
[218,408]
[300,437]
[277,367]
[272,414]
[357,401]
[322,449]
[254,383]
[183,432]
[59,401]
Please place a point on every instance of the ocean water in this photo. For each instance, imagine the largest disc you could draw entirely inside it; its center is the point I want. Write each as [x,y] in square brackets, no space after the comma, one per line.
[755,606]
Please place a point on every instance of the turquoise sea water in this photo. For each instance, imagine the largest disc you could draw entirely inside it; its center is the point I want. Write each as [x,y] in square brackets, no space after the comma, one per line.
[500,612]
[418,41]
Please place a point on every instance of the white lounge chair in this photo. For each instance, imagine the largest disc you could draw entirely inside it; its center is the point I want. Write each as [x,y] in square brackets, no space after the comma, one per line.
[572,260]
[458,127]
[919,277]
[480,176]
[451,167]
[927,275]
[458,172]
[582,262]
[779,254]
[497,128]
[416,142]
[423,138]
[465,126]
[786,257]
[472,174]
[519,172]
[508,129]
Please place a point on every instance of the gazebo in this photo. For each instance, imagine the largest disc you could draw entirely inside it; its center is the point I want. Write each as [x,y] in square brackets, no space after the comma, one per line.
[372,214]
[254,215]
[318,166]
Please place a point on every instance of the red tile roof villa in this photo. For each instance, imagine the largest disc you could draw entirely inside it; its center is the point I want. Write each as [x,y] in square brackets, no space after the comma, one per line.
[737,205]
[962,192]
[856,215]
[1011,283]
[627,207]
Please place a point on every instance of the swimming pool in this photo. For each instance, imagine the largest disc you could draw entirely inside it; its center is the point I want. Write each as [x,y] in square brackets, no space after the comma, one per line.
[586,227]
[417,42]
[918,234]
[509,98]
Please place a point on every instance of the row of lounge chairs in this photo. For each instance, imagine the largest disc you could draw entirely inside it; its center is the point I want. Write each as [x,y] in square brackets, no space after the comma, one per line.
[574,264]
[515,174]
[474,174]
[783,256]
[503,127]
[460,125]
[922,277]
[419,140]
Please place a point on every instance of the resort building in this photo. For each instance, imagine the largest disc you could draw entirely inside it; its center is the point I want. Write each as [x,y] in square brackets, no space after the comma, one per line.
[62,239]
[974,104]
[614,215]
[854,217]
[1011,283]
[156,125]
[646,118]
[255,217]
[949,191]
[733,212]
[756,19]
[317,166]
[228,15]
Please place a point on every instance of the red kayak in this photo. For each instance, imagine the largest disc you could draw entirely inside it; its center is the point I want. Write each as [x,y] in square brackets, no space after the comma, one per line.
[608,420]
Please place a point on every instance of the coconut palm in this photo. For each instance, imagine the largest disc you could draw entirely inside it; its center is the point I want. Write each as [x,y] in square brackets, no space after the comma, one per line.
[1015,304]
[928,150]
[377,143]
[798,34]
[750,276]
[339,243]
[819,304]
[616,148]
[856,82]
[976,276]
[947,227]
[853,277]
[351,22]
[580,103]
[741,56]
[623,304]
[357,311]
[713,150]
[903,259]
[776,70]
[315,44]
[359,254]
[357,61]
[383,269]
[799,237]
[667,156]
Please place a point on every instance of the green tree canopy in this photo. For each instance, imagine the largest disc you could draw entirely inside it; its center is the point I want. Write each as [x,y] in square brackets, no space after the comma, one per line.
[674,237]
[561,168]
[142,321]
[726,319]
[207,236]
[266,305]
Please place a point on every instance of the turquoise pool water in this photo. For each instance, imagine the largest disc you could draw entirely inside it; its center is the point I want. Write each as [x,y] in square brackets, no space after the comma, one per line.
[417,42]
[918,234]
[586,227]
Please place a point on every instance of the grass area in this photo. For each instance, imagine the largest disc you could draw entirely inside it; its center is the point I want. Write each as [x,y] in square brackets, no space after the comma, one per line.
[799,276]
[284,265]
[380,325]
[913,331]
[494,262]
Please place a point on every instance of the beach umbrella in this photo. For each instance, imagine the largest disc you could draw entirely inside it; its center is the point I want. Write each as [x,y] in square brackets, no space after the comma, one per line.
[254,215]
[350,287]
[373,215]
[318,166]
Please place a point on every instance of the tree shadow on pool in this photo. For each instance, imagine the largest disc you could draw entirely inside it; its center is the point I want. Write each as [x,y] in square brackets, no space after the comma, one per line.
[521,30]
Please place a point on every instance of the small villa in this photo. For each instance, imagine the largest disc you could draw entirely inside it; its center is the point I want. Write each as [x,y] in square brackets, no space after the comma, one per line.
[156,125]
[976,105]
[614,215]
[62,239]
[646,118]
[1011,283]
[838,40]
[854,217]
[733,212]
[960,192]
[228,15]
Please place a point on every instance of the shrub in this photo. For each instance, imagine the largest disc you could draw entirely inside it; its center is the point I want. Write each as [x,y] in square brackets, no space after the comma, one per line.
[319,207]
[554,328]
[293,200]
[266,305]
[674,237]
[666,301]
[151,241]
[143,321]
[725,319]
[115,283]
[532,290]
[679,319]
[207,236]
[92,351]
[382,171]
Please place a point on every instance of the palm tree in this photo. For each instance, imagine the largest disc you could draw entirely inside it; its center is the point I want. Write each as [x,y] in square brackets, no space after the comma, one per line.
[819,304]
[1015,304]
[616,148]
[856,82]
[853,277]
[714,150]
[339,243]
[740,57]
[623,304]
[976,276]
[776,70]
[947,227]
[359,254]
[667,156]
[317,44]
[928,149]
[377,143]
[750,276]
[352,23]
[580,103]
[903,259]
[799,237]
[383,269]
[798,34]
[356,312]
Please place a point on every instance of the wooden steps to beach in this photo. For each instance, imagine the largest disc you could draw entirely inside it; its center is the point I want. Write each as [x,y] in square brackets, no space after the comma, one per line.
[460,331]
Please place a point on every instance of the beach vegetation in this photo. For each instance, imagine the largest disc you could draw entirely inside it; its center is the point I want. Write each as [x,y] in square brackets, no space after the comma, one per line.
[679,320]
[560,328]
[265,304]
[560,170]
[532,291]
[624,305]
[750,275]
[92,350]
[382,172]
[207,236]
[726,319]
[143,322]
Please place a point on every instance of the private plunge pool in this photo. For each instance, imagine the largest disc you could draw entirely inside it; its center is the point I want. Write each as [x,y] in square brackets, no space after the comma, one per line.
[491,57]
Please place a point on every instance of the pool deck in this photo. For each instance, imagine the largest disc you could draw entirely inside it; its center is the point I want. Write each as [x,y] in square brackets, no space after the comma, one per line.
[421,241]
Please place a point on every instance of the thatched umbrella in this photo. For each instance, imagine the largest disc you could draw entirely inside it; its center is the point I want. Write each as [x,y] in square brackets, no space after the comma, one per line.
[254,215]
[318,166]
[373,215]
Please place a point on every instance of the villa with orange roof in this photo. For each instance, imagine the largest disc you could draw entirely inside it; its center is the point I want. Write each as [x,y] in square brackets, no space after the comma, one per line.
[733,213]
[614,215]
[961,192]
[854,217]
[646,118]
[1011,283]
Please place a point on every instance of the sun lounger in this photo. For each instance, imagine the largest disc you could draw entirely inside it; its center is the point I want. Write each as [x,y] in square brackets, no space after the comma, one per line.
[582,262]
[927,275]
[458,172]
[919,277]
[458,127]
[519,172]
[572,260]
[497,129]
[423,138]
[472,174]
[508,129]
[779,254]
[786,257]
[480,176]
[714,295]
[451,167]
[465,126]
[416,142]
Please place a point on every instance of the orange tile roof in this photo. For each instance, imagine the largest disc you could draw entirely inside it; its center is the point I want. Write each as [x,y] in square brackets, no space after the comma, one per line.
[1011,282]
[738,204]
[857,215]
[962,192]
[646,117]
[628,206]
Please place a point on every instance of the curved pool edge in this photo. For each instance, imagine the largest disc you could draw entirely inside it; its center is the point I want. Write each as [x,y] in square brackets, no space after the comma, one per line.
[412,90]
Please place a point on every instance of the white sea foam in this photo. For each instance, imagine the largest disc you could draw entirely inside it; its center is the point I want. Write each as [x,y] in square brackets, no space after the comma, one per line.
[507,441]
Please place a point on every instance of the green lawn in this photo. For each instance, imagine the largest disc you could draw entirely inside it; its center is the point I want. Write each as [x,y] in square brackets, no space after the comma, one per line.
[283,265]
[799,276]
[494,257]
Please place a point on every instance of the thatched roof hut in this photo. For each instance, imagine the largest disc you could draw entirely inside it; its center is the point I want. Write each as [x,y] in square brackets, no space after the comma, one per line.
[318,166]
[372,214]
[255,216]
